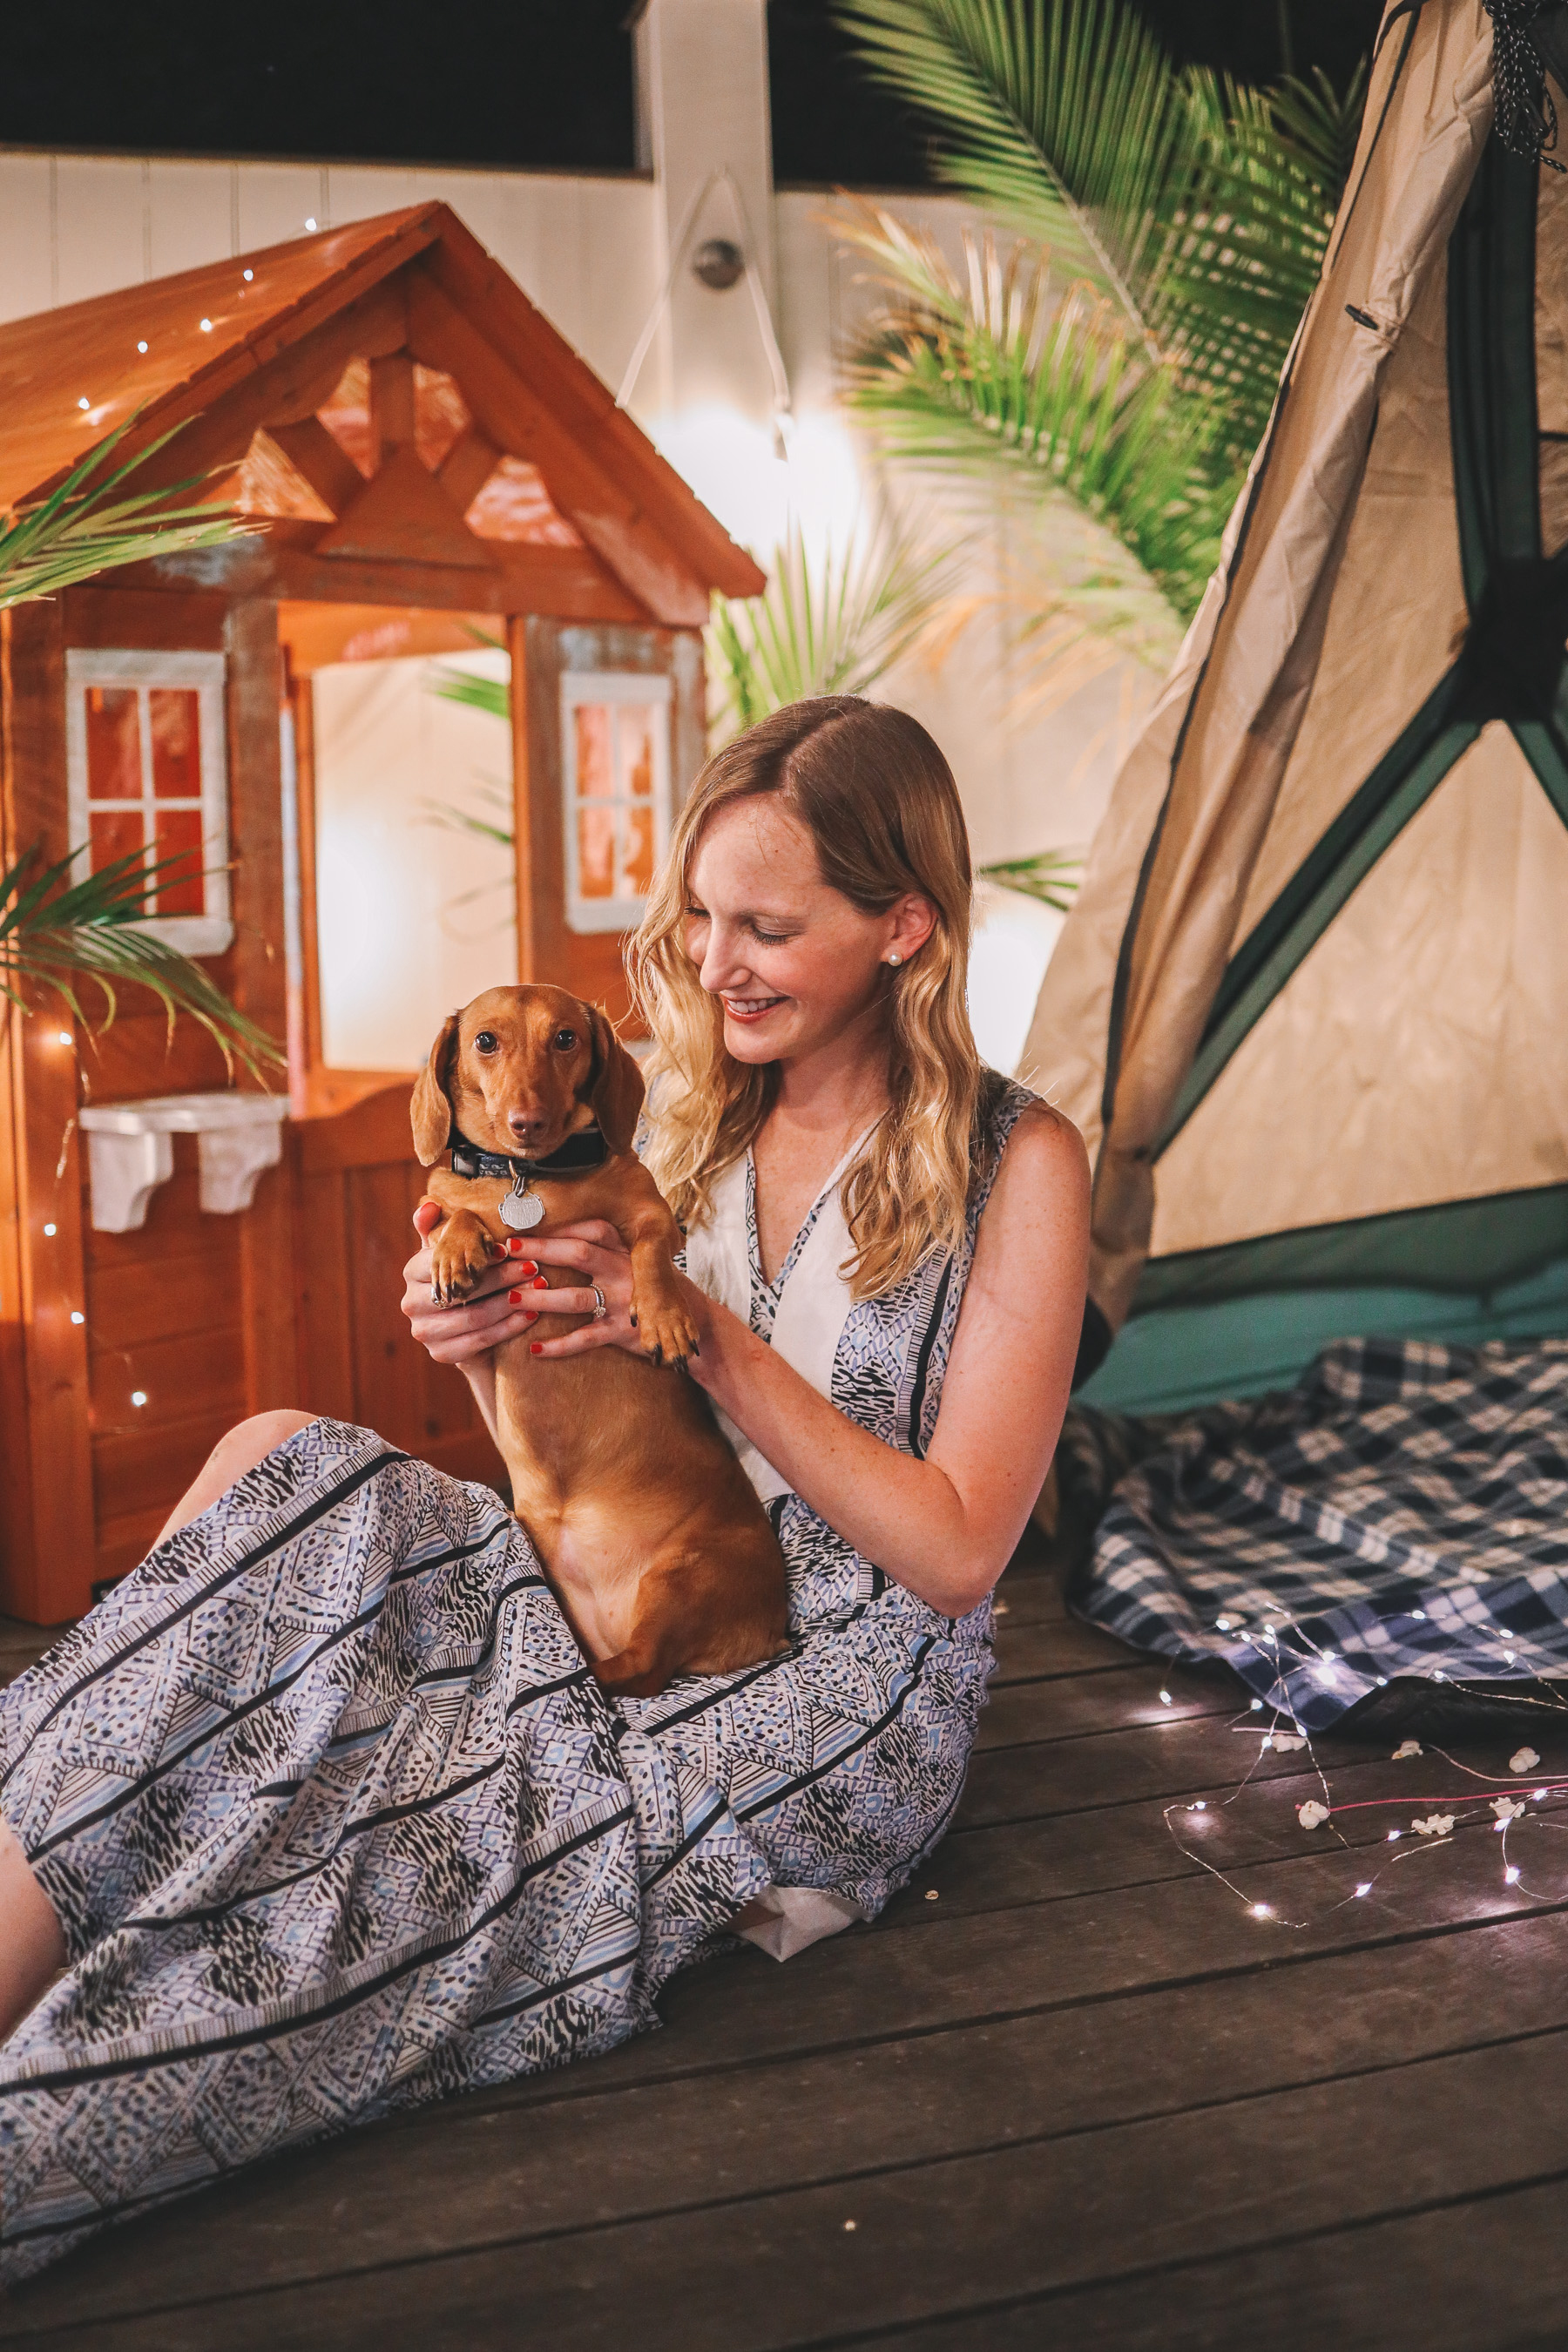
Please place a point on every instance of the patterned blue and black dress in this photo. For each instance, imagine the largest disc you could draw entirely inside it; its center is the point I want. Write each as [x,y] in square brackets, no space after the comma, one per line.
[337,1820]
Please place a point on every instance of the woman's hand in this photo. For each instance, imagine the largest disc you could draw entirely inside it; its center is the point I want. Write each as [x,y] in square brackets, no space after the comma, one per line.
[502,1307]
[594,1252]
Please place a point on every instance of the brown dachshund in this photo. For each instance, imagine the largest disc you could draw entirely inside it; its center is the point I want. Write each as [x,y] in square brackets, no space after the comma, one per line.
[653,1538]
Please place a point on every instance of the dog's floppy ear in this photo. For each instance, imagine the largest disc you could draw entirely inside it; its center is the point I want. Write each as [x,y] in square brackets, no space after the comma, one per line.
[616,1098]
[431,1107]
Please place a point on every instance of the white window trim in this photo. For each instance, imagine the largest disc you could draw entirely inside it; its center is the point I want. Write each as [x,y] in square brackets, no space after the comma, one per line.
[578,686]
[201,935]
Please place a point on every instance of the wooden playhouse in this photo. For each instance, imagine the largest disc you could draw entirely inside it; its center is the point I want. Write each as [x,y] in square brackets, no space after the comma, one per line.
[425,459]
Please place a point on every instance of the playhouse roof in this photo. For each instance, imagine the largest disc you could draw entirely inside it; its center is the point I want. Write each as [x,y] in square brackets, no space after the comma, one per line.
[260,342]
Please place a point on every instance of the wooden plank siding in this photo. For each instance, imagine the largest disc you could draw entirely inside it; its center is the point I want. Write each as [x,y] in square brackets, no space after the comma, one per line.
[1079,2098]
[357,1184]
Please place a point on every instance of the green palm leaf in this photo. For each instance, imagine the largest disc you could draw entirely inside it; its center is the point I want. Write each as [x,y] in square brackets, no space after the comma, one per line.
[1065,118]
[55,933]
[82,527]
[1201,209]
[990,376]
[829,623]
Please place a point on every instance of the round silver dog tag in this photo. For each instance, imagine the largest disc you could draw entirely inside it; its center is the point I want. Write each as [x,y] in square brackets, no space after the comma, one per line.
[522,1210]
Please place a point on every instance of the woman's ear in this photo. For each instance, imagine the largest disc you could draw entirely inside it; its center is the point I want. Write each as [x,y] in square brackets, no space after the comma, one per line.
[430,1109]
[914,920]
[617,1099]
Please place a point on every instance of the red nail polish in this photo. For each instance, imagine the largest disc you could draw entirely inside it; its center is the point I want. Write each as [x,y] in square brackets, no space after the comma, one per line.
[536,1347]
[515,1298]
[514,1248]
[530,1318]
[529,1268]
[541,1283]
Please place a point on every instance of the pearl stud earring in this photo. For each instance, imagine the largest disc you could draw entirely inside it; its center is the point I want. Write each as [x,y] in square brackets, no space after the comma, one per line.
[895,957]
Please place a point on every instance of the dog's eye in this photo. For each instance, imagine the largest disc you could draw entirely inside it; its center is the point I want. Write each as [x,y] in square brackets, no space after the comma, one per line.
[564,1040]
[487,1040]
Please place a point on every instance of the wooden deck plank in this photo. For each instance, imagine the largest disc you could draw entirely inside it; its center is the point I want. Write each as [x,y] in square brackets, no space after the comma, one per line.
[756,2274]
[491,2177]
[1462,2276]
[1063,2066]
[1083,2097]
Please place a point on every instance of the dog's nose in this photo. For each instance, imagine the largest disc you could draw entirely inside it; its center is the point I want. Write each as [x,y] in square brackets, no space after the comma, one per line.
[526,1124]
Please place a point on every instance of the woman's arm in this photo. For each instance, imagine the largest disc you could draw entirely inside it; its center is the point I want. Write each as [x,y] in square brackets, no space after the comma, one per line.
[946,1527]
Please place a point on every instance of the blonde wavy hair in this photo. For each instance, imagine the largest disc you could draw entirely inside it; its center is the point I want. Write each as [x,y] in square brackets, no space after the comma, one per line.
[880,802]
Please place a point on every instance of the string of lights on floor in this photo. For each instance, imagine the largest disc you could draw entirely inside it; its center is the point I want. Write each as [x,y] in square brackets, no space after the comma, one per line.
[1288,1649]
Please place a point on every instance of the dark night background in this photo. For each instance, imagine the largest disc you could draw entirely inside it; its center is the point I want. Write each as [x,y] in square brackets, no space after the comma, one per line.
[522,82]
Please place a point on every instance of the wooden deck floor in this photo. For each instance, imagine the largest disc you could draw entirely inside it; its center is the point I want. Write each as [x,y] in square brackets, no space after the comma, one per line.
[1068,2091]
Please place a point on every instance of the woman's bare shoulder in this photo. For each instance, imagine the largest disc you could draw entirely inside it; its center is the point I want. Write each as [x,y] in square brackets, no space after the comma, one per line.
[1045,1148]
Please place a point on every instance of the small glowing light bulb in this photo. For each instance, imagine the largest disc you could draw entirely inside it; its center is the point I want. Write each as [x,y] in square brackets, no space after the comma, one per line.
[1394,1833]
[1257,1707]
[1200,1805]
[1365,1887]
[310,225]
[141,347]
[1328,1657]
[1261,1911]
[1223,1625]
[1382,1681]
[76,1315]
[1509,1656]
[206,326]
[52,1230]
[1165,1698]
[1536,1793]
[249,273]
[1512,1874]
[1419,1612]
[84,404]
[66,1037]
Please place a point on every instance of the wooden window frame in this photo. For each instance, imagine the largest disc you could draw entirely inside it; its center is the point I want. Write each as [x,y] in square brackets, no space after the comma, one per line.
[206,674]
[587,917]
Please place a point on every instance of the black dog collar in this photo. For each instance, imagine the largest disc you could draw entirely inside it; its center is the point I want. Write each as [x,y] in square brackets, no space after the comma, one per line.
[578,1156]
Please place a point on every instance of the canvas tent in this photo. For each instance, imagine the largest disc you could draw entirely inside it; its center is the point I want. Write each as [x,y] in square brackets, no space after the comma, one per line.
[1310,1008]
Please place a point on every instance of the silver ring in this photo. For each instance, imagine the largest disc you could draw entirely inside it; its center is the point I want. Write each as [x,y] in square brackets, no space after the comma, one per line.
[600,1310]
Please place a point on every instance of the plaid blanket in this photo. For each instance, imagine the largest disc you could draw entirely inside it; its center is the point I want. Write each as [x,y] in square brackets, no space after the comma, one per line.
[1402,1511]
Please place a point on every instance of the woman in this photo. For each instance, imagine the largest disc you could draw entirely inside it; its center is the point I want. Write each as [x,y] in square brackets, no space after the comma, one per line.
[322,1812]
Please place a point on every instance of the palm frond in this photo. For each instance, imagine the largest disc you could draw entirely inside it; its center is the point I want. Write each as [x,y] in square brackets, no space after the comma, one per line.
[1199,208]
[493,695]
[1065,118]
[82,527]
[1052,876]
[56,934]
[990,375]
[829,623]
[448,816]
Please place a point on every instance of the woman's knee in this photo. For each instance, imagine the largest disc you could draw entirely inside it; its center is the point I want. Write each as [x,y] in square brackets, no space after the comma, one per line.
[249,1442]
[238,1450]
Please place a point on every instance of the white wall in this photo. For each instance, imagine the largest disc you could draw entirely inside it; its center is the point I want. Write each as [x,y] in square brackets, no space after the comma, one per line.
[590,250]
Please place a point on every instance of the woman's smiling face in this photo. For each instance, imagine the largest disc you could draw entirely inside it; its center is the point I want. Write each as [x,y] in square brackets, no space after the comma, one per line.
[794,963]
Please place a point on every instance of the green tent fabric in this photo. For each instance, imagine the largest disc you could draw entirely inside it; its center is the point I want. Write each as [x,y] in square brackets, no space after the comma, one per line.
[1308,1010]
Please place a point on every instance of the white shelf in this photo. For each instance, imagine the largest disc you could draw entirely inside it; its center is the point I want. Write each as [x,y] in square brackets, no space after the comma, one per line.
[131,1152]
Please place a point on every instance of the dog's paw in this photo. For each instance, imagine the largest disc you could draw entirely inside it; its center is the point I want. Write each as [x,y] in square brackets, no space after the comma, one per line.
[460,1253]
[667,1330]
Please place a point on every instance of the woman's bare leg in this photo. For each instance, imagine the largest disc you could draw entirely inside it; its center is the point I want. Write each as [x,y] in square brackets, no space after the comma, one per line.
[32,1949]
[242,1446]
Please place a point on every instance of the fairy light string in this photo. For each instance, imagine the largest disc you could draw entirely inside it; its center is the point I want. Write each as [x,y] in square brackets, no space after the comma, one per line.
[1519,1794]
